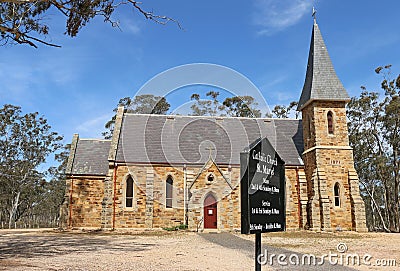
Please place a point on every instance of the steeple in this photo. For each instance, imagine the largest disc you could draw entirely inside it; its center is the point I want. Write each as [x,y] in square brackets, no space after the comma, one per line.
[321,81]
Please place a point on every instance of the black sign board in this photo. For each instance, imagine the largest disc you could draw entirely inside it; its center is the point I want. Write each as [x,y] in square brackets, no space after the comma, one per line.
[262,187]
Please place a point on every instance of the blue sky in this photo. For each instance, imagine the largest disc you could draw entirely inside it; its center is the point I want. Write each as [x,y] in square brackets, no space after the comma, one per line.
[76,87]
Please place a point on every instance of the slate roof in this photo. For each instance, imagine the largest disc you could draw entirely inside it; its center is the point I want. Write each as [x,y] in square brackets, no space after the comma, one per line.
[188,139]
[321,81]
[91,157]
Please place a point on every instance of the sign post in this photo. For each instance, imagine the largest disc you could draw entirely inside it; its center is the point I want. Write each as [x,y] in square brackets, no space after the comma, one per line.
[262,188]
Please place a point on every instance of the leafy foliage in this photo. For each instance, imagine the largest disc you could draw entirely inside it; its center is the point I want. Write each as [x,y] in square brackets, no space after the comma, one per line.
[206,107]
[282,111]
[374,133]
[236,106]
[26,140]
[25,22]
[242,106]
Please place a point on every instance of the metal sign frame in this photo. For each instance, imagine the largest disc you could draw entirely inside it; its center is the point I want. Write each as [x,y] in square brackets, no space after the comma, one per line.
[262,188]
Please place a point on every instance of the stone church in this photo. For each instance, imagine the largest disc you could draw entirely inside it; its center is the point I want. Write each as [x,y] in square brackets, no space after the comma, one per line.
[162,171]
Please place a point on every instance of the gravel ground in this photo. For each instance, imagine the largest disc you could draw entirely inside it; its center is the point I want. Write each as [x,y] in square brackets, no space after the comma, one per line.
[160,250]
[99,251]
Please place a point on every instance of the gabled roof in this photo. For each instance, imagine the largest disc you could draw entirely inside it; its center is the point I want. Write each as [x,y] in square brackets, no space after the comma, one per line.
[89,157]
[187,139]
[321,81]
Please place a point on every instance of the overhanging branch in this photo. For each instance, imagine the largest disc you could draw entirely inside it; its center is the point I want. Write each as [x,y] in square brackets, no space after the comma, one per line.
[27,20]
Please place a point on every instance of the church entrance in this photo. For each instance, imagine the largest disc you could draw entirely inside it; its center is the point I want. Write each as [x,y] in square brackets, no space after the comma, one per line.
[210,212]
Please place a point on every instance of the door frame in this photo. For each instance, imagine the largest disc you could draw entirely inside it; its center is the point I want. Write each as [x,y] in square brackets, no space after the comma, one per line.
[214,208]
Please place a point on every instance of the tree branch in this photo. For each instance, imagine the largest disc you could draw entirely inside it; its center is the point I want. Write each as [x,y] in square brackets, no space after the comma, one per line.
[25,16]
[151,16]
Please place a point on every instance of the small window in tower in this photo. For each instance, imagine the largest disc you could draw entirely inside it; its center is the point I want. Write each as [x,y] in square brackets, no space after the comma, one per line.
[330,122]
[129,193]
[169,190]
[336,191]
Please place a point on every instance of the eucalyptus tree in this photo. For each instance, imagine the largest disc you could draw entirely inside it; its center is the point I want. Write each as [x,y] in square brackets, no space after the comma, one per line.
[26,141]
[374,133]
[235,106]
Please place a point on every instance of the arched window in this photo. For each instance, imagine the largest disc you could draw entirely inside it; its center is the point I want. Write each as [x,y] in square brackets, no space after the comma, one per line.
[129,192]
[169,184]
[330,122]
[336,191]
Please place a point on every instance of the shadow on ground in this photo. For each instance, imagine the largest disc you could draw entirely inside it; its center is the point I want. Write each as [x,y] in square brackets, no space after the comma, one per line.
[53,244]
[232,241]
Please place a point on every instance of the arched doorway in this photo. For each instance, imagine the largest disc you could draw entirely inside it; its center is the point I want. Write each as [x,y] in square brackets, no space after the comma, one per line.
[210,212]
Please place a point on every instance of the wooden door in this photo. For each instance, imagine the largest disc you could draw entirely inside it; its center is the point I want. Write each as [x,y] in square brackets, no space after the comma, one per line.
[210,212]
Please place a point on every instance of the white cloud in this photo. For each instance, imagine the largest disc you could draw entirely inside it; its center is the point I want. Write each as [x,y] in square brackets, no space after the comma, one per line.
[15,80]
[25,75]
[132,28]
[128,25]
[275,15]
[94,126]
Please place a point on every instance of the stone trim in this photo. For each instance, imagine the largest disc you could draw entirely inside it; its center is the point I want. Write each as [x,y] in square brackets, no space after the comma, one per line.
[174,192]
[325,203]
[123,193]
[302,182]
[72,151]
[204,168]
[327,147]
[357,203]
[319,205]
[106,210]
[149,198]
[116,133]
[333,115]
[340,195]
[219,211]
[314,209]
[346,100]
[81,176]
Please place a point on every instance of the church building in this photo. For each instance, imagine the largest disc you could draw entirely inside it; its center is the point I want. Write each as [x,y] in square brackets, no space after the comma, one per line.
[161,171]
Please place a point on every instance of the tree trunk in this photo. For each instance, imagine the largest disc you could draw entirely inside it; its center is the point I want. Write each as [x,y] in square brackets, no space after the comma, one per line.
[388,205]
[13,210]
[396,189]
[377,207]
[373,208]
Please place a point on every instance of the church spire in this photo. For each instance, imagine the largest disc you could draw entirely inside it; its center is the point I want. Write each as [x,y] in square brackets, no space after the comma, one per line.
[314,14]
[321,81]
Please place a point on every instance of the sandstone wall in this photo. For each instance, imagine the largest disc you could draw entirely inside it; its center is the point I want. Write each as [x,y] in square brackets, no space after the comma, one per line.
[149,209]
[85,197]
[328,160]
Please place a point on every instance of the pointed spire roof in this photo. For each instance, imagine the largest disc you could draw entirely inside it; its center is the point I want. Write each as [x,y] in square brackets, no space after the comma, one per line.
[321,82]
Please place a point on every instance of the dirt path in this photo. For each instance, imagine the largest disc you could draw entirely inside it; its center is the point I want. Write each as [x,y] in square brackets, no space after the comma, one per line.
[38,250]
[151,251]
[380,250]
[246,246]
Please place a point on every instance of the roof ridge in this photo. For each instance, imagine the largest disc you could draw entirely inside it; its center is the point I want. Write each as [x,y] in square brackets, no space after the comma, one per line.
[191,116]
[206,117]
[94,139]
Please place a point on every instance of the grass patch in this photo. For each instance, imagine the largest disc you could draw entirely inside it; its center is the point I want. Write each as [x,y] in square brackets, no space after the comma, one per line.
[176,228]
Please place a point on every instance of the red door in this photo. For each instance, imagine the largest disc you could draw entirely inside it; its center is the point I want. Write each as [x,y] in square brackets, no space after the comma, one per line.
[210,212]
